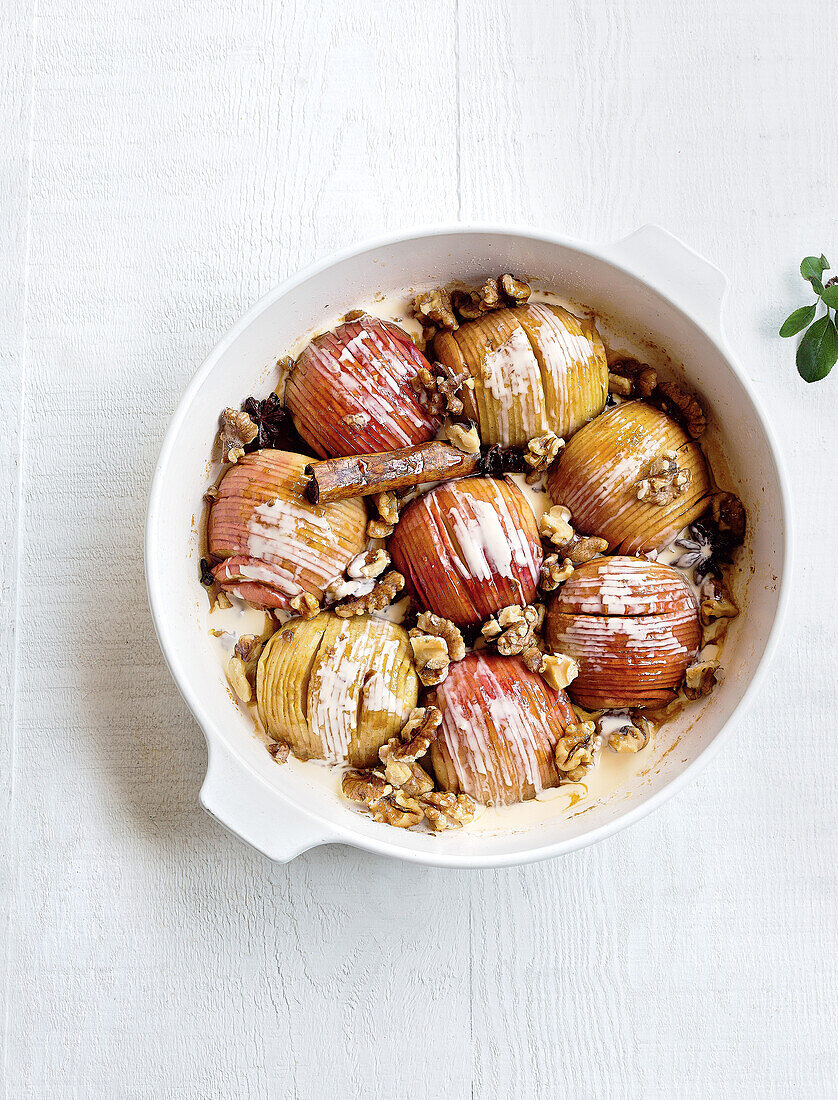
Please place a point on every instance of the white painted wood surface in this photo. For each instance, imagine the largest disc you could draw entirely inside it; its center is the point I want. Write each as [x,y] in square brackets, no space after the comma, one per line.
[167,162]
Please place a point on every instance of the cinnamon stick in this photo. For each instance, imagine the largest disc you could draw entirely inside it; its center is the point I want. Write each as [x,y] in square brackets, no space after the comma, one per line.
[362,475]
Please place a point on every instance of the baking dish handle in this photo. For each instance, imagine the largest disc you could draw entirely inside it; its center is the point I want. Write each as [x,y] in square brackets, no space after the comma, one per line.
[249,810]
[674,269]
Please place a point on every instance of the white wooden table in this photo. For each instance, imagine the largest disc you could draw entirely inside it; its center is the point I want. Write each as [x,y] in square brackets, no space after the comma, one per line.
[166,163]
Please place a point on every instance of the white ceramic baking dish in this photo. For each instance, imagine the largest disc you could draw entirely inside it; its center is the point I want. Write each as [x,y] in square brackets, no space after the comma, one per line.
[651,286]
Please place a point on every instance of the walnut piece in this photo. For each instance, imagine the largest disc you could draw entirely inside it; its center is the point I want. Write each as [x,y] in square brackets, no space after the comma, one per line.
[438,389]
[368,564]
[716,602]
[512,629]
[280,751]
[237,430]
[433,307]
[430,656]
[463,436]
[665,481]
[446,810]
[559,670]
[701,678]
[619,385]
[471,304]
[365,786]
[238,680]
[356,421]
[640,378]
[540,455]
[403,794]
[516,291]
[683,406]
[554,526]
[629,738]
[354,315]
[381,595]
[387,506]
[554,571]
[378,529]
[437,627]
[305,605]
[418,733]
[729,516]
[575,751]
[586,549]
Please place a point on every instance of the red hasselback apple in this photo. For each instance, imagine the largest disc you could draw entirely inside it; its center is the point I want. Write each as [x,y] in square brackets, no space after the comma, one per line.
[632,627]
[468,548]
[500,726]
[275,544]
[350,392]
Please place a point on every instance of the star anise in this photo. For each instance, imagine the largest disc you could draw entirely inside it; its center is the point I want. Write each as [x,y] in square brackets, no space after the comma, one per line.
[707,550]
[271,419]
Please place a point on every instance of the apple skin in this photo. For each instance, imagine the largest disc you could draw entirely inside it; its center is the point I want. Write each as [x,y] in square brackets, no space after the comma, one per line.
[500,726]
[363,370]
[631,625]
[469,547]
[274,544]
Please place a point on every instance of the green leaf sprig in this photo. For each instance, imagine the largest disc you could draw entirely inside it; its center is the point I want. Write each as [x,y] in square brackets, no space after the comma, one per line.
[817,352]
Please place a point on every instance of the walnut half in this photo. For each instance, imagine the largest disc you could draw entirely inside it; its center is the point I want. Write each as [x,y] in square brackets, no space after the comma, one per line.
[237,430]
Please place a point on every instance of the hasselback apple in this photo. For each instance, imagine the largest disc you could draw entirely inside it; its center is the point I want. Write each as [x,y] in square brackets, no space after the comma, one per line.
[536,368]
[500,726]
[468,548]
[275,544]
[632,627]
[336,689]
[350,393]
[599,473]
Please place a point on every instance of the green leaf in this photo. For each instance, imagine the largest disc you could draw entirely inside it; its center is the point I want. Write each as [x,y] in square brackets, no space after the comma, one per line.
[830,297]
[813,267]
[799,319]
[818,350]
[824,262]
